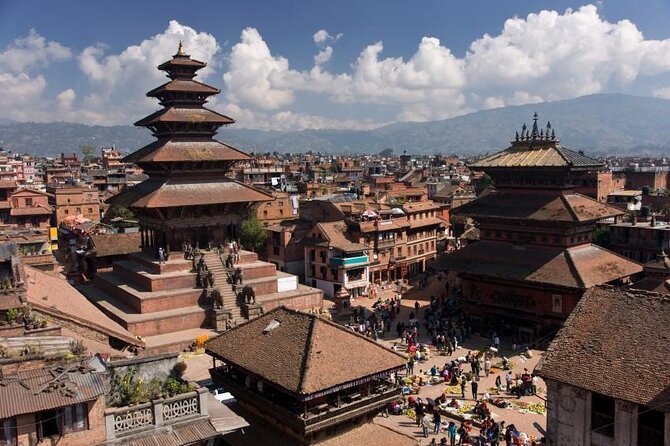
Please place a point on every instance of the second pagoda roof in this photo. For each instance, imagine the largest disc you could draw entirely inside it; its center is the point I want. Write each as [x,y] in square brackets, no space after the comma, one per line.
[175,150]
[185,114]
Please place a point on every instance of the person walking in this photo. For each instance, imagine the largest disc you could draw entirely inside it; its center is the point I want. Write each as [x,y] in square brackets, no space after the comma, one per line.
[437,421]
[474,386]
[425,425]
[487,366]
[161,255]
[451,430]
[463,387]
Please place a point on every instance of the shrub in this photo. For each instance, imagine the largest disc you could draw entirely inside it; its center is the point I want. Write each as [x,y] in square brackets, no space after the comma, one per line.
[180,369]
[174,386]
[12,314]
[77,347]
[153,389]
[128,390]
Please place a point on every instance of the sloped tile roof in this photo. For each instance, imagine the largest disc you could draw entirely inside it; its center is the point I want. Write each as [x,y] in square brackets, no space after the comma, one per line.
[173,150]
[615,343]
[536,154]
[185,114]
[304,354]
[115,244]
[168,192]
[35,390]
[577,267]
[187,85]
[336,233]
[510,204]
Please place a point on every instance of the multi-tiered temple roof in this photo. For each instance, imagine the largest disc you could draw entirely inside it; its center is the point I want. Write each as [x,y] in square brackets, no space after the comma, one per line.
[187,187]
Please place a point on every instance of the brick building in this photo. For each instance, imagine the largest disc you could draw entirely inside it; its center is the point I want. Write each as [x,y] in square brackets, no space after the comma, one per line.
[283,207]
[594,395]
[72,201]
[640,241]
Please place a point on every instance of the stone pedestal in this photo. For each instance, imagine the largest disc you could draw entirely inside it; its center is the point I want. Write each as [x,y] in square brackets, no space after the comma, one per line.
[252,311]
[218,318]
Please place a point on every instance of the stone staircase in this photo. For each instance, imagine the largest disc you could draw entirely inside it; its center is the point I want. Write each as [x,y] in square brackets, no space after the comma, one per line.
[217,267]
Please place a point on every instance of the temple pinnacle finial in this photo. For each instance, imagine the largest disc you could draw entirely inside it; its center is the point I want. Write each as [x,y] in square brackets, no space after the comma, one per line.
[535,133]
[535,116]
[180,50]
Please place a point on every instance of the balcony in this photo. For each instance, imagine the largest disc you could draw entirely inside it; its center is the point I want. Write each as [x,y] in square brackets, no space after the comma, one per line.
[129,420]
[348,261]
[304,421]
[386,243]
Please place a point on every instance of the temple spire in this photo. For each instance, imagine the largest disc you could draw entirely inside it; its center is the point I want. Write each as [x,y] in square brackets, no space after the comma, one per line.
[535,133]
[180,50]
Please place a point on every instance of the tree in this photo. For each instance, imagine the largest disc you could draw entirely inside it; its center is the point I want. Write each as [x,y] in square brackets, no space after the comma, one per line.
[120,211]
[386,153]
[87,153]
[252,235]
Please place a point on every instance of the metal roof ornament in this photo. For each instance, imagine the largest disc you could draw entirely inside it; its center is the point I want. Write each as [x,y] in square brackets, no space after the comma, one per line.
[180,50]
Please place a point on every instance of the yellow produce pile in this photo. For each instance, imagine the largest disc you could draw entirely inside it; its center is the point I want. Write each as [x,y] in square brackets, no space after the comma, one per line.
[537,408]
[465,408]
[452,390]
[411,413]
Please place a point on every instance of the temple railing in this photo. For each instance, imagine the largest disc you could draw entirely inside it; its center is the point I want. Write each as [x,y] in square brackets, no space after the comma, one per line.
[128,420]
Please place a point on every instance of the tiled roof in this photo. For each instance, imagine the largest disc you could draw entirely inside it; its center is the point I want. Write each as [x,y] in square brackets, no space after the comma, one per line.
[509,204]
[370,434]
[115,244]
[192,432]
[536,154]
[304,354]
[182,61]
[335,232]
[615,343]
[186,85]
[578,267]
[8,184]
[185,114]
[171,150]
[167,192]
[35,390]
[419,206]
[56,296]
[655,284]
[394,224]
[425,222]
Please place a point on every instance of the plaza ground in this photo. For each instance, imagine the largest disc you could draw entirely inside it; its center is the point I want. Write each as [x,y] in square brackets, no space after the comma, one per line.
[532,424]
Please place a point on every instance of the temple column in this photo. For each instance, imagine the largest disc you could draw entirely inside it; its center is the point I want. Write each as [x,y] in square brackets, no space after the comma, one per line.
[142,237]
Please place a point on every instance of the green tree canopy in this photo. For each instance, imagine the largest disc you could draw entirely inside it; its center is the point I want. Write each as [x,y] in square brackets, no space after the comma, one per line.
[386,153]
[87,153]
[253,235]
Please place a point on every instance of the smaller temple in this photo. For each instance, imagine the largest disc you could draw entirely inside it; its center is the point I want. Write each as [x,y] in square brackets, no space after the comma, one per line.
[535,258]
[307,377]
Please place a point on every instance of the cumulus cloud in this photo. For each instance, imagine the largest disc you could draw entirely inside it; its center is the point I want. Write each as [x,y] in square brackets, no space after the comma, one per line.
[121,80]
[322,36]
[547,55]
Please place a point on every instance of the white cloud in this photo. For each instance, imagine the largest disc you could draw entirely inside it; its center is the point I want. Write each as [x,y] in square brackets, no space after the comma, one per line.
[121,80]
[65,99]
[663,93]
[544,56]
[322,36]
[31,52]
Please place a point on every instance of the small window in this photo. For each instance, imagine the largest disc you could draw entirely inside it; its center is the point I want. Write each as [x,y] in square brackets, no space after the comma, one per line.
[602,414]
[66,211]
[557,303]
[78,210]
[29,201]
[650,427]
[90,210]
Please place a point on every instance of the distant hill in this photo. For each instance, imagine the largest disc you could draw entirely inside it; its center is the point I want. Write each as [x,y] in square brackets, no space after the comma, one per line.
[602,123]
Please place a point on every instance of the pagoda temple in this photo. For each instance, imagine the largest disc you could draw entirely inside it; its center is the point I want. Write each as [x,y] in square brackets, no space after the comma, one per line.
[535,258]
[187,198]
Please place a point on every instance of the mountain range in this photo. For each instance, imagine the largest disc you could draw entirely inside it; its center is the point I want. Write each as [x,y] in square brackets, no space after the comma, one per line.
[598,124]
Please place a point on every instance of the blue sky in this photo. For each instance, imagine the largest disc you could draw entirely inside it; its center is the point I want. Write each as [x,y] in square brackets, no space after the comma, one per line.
[337,64]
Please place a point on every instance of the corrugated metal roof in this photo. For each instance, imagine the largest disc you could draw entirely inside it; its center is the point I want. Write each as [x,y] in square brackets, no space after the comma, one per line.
[183,434]
[35,390]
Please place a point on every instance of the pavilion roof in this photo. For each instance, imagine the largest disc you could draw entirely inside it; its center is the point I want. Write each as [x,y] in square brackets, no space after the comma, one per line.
[161,192]
[531,206]
[193,114]
[536,155]
[302,353]
[186,85]
[578,267]
[174,150]
[615,343]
